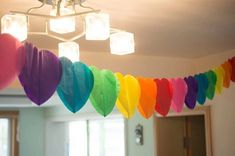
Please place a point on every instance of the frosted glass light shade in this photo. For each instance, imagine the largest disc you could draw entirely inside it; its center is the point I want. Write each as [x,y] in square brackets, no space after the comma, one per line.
[97,26]
[16,25]
[62,25]
[122,43]
[69,50]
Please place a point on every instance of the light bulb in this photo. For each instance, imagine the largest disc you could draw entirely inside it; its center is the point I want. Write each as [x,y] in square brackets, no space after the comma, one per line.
[16,25]
[62,25]
[69,50]
[122,43]
[97,26]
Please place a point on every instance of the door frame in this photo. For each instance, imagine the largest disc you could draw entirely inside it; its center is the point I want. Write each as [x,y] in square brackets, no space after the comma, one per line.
[199,110]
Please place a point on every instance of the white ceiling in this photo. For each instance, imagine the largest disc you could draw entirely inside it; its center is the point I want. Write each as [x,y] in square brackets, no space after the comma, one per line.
[172,28]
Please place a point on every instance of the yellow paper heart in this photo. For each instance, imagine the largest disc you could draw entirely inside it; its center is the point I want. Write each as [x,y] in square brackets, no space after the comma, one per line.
[129,95]
[219,71]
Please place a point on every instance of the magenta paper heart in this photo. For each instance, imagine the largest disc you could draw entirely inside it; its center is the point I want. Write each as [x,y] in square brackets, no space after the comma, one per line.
[11,59]
[164,96]
[40,75]
[179,89]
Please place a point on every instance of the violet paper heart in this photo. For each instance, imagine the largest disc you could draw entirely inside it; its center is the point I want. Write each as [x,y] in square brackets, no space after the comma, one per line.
[40,75]
[191,96]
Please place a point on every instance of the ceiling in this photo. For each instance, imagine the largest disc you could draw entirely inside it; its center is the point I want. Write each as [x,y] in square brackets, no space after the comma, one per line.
[171,28]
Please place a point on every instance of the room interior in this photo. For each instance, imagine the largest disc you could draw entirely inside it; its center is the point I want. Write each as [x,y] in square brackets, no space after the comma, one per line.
[172,39]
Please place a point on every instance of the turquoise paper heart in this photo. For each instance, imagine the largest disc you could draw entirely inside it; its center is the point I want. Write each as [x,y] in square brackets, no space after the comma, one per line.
[75,85]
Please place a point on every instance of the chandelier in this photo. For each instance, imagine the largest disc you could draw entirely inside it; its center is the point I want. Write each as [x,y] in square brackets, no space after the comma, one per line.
[62,20]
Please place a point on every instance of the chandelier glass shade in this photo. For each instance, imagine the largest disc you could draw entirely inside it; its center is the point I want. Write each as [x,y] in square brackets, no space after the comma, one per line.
[15,25]
[62,20]
[62,25]
[69,50]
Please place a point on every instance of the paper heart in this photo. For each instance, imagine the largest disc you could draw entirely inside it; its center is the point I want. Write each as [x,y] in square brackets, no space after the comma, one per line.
[219,71]
[11,59]
[129,94]
[148,95]
[164,96]
[227,73]
[191,96]
[211,77]
[40,75]
[179,90]
[203,85]
[232,62]
[105,91]
[76,84]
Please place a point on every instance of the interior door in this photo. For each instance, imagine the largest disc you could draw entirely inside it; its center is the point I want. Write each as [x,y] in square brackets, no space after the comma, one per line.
[170,136]
[181,136]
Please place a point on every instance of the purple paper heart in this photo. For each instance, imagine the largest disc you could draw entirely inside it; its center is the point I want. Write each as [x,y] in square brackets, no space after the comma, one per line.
[191,96]
[40,75]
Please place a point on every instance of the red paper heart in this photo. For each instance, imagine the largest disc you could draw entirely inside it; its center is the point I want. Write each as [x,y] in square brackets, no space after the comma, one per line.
[164,96]
[232,61]
[11,59]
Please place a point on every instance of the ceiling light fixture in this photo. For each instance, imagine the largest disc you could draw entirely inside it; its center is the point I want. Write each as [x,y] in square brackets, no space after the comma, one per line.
[62,20]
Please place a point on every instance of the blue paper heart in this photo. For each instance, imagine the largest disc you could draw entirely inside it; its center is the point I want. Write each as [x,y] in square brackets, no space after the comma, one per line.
[76,84]
[203,84]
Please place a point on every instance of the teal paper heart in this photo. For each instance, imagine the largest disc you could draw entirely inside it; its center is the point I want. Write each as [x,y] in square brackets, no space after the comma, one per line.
[75,85]
[105,91]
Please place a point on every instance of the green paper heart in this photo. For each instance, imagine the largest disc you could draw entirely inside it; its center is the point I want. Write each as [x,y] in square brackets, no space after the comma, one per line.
[212,79]
[105,91]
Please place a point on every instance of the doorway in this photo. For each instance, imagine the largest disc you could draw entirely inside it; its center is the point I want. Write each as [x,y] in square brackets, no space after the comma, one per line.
[187,134]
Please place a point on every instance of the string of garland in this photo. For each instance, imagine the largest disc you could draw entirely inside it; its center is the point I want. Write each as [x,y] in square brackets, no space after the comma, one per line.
[41,74]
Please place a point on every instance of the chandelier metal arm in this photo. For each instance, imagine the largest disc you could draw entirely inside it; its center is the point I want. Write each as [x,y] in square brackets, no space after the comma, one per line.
[53,17]
[37,7]
[83,6]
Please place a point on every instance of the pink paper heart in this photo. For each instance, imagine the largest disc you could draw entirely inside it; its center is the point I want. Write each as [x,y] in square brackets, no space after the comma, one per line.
[179,89]
[11,59]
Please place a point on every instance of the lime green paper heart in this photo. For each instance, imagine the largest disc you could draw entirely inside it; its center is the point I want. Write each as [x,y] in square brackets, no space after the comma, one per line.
[105,91]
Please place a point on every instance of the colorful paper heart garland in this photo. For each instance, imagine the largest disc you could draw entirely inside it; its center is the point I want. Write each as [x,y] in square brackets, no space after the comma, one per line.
[12,59]
[105,91]
[148,95]
[129,95]
[179,90]
[164,96]
[75,85]
[41,73]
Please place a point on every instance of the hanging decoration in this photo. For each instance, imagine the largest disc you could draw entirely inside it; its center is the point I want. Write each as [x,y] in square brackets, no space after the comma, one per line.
[227,74]
[105,91]
[41,73]
[179,90]
[147,100]
[11,59]
[191,96]
[202,82]
[219,71]
[164,96]
[212,79]
[129,94]
[76,84]
[232,62]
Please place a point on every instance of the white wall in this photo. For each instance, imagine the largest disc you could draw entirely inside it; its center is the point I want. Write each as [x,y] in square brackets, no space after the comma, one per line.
[31,132]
